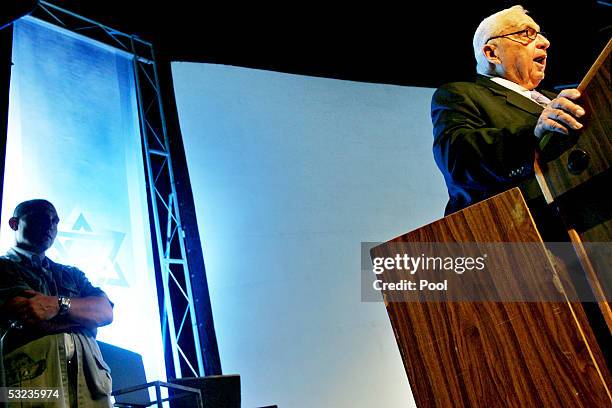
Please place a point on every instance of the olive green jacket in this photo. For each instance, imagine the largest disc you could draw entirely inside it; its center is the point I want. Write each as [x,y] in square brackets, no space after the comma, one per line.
[39,360]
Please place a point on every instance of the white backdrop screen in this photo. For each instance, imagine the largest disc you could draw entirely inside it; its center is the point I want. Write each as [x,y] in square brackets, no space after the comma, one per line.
[289,175]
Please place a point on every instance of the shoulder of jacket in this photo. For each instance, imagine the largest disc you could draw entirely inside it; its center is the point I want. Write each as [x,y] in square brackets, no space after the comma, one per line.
[8,264]
[460,92]
[6,259]
[67,268]
[463,87]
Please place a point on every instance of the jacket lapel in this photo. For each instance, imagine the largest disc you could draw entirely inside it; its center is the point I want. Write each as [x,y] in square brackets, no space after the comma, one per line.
[512,98]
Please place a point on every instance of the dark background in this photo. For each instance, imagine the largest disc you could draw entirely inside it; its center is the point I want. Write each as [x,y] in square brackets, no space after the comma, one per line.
[423,43]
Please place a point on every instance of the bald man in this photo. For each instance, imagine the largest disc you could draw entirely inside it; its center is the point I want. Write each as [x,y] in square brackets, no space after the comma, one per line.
[486,132]
[58,311]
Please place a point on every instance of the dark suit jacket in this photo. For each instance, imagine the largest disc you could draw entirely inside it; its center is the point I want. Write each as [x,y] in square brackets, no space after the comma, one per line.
[483,140]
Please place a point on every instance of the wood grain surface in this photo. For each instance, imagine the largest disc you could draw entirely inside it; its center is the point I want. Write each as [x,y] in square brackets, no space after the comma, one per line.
[584,200]
[595,138]
[497,354]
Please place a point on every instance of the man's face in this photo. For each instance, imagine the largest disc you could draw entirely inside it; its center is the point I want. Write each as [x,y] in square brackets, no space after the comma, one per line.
[36,230]
[523,60]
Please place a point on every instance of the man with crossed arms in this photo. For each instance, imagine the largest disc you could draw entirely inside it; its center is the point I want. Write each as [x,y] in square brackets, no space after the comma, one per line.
[59,312]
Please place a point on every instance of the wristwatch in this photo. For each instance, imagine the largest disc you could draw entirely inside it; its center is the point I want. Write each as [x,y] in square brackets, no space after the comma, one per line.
[64,305]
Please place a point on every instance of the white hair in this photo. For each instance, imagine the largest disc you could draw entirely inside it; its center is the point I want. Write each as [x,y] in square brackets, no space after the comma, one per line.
[490,27]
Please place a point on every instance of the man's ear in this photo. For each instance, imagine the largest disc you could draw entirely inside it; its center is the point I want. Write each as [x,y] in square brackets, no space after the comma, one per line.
[490,53]
[14,223]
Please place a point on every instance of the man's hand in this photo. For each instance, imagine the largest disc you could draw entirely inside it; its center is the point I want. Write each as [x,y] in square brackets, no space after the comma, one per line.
[560,114]
[32,307]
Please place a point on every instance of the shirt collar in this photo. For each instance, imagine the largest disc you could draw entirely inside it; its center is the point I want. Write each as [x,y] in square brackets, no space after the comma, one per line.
[34,259]
[512,86]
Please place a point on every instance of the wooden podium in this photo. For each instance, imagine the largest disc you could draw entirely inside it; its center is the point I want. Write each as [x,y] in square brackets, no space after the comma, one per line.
[521,353]
[492,354]
[577,180]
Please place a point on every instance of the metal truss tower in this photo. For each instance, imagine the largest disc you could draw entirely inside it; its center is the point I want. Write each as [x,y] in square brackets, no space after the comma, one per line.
[181,332]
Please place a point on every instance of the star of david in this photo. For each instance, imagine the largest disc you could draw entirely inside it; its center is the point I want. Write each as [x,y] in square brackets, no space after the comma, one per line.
[72,242]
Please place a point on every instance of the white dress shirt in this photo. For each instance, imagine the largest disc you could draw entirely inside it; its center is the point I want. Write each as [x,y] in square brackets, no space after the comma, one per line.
[521,90]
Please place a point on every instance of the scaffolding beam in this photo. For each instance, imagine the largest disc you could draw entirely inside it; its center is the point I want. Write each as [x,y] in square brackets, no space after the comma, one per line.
[181,331]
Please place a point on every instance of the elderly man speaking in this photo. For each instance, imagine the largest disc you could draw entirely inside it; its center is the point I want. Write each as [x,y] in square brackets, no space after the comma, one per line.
[59,311]
[486,132]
